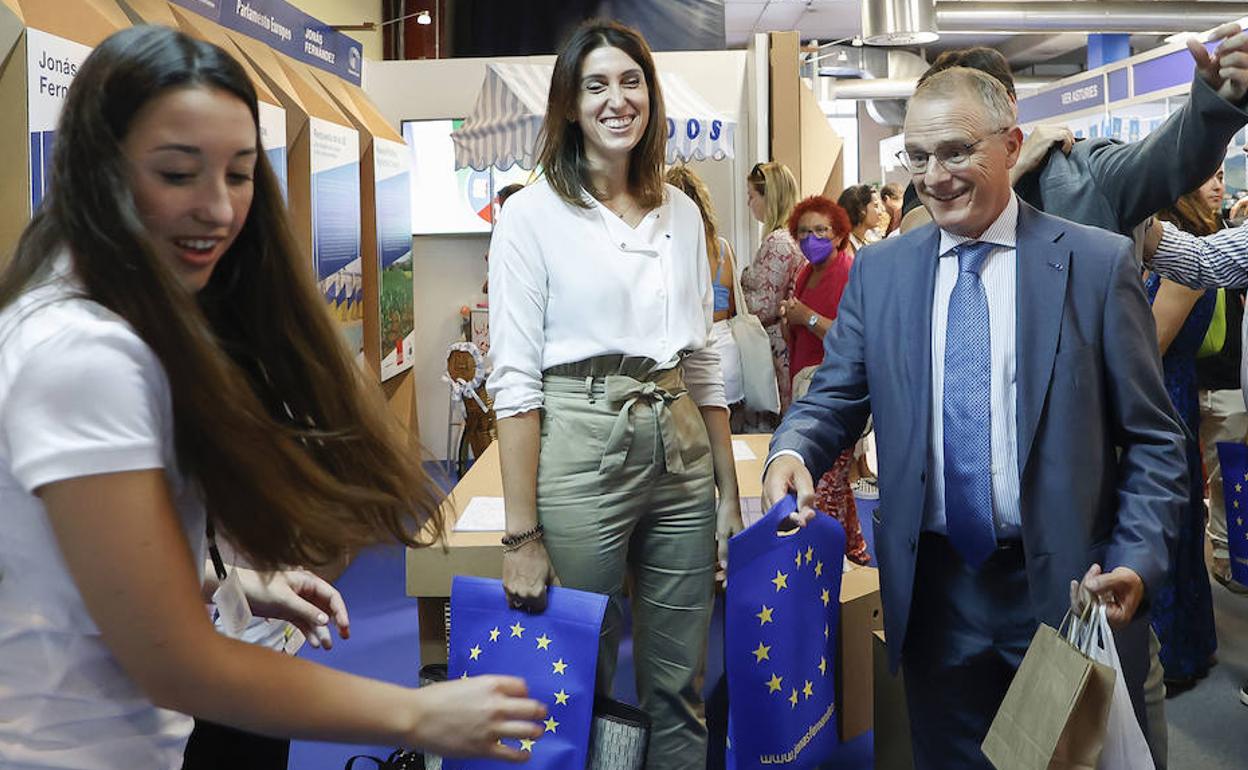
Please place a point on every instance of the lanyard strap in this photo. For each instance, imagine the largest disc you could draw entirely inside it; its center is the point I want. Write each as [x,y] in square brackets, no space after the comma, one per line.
[214,553]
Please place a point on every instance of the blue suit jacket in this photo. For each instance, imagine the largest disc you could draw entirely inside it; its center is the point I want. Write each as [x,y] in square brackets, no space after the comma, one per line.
[1102,471]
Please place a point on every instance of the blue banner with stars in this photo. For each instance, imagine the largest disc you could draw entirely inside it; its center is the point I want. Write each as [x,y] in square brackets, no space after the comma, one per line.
[1233,458]
[783,608]
[556,653]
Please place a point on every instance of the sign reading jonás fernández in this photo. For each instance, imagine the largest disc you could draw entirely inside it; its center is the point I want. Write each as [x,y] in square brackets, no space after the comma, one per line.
[51,63]
[285,28]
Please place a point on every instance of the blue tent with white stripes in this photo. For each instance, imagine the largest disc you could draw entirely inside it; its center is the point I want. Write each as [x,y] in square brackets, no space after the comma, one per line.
[503,127]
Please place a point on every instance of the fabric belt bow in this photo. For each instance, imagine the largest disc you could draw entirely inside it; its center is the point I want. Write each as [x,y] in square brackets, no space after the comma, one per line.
[628,391]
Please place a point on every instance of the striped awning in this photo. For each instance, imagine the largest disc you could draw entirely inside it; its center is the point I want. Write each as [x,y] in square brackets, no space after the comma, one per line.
[503,127]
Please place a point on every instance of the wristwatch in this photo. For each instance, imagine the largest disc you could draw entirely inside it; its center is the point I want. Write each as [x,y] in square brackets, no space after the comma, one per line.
[813,321]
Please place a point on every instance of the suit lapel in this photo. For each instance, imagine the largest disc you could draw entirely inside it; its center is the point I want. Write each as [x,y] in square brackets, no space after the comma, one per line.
[916,325]
[1043,268]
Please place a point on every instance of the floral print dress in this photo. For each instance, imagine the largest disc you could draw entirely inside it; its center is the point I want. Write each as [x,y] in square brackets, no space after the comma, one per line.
[766,283]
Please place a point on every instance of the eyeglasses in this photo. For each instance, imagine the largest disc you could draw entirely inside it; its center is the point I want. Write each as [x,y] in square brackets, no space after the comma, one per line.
[954,158]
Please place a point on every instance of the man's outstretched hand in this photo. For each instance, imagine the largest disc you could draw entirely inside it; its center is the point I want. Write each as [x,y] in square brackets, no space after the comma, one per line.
[1226,70]
[787,474]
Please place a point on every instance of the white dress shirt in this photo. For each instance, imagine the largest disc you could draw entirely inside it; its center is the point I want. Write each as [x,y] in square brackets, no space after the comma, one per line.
[569,283]
[999,278]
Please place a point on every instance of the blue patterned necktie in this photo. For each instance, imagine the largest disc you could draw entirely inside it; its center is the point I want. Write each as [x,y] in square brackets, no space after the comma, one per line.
[967,411]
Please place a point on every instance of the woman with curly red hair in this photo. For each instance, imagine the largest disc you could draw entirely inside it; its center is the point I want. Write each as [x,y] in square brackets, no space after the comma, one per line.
[822,229]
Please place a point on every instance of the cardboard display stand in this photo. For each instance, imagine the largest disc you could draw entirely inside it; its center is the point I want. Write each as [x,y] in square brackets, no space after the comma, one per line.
[385,187]
[861,614]
[323,174]
[43,42]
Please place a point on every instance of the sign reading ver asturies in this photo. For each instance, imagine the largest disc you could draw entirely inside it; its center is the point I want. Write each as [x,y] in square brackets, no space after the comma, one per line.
[1071,97]
[289,30]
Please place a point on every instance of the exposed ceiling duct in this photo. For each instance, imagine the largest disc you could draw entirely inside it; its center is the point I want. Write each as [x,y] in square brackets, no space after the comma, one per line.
[898,22]
[1160,17]
[845,61]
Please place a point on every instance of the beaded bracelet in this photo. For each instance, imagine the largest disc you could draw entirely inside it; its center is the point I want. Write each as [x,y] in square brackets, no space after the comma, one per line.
[513,542]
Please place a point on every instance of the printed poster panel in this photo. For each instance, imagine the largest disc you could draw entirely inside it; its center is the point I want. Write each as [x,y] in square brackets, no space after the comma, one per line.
[392,169]
[336,226]
[51,63]
[273,141]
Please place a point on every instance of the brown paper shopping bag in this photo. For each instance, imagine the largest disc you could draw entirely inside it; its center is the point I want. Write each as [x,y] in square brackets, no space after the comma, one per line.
[1054,714]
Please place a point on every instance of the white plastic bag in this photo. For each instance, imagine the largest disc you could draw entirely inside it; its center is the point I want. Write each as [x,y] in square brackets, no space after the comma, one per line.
[1125,747]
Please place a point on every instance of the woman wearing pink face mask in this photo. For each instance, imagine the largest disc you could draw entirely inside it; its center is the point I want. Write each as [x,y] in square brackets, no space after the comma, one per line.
[821,229]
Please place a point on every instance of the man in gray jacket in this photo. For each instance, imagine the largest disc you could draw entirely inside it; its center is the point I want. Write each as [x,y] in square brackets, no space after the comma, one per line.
[1109,184]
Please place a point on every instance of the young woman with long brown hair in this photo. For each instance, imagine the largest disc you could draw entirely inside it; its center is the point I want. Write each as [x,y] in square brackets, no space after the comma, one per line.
[612,427]
[166,365]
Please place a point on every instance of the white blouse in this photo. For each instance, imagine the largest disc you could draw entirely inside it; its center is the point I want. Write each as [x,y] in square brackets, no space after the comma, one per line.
[567,284]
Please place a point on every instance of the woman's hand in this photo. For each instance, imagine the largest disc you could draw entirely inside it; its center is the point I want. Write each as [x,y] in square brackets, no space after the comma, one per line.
[300,597]
[727,523]
[527,572]
[469,718]
[796,312]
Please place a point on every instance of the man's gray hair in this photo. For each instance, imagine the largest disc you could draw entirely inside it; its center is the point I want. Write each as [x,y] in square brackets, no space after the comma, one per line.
[964,81]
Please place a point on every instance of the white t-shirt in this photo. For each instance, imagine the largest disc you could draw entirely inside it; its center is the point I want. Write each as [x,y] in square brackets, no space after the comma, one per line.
[568,283]
[80,394]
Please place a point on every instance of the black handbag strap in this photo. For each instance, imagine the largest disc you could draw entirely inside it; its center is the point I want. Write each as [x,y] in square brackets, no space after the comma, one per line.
[400,759]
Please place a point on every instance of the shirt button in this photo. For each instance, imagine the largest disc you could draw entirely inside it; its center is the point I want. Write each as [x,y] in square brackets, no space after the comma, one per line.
[623,245]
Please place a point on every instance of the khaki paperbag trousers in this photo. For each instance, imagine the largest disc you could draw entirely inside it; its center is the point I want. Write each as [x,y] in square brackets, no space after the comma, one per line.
[625,490]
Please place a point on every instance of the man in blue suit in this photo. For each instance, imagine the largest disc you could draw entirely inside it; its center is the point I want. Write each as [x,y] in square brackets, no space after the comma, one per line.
[1024,434]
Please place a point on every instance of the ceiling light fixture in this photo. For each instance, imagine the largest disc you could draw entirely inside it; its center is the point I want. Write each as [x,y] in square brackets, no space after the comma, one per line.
[423,18]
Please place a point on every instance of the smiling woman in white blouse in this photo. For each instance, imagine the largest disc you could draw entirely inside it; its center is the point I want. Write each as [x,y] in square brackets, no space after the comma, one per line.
[612,424]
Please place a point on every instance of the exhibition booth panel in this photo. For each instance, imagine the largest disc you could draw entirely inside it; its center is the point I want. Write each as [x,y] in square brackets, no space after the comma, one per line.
[385,186]
[323,173]
[43,42]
